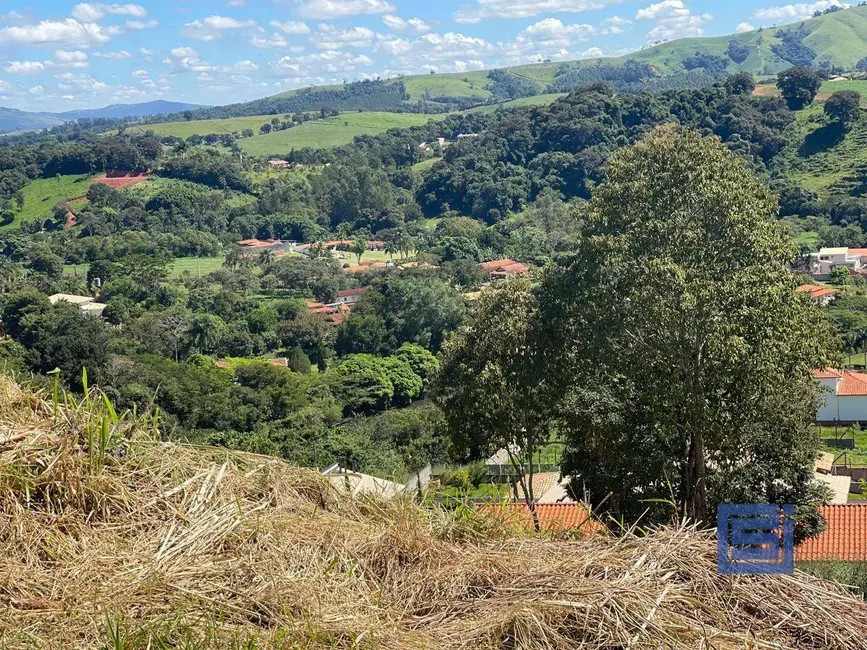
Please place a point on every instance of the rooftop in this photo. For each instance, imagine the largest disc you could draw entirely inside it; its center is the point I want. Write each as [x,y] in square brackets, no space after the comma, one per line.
[845,537]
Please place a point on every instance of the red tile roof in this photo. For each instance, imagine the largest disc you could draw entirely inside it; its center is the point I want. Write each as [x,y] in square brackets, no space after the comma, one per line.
[845,536]
[495,264]
[816,291]
[853,383]
[553,517]
[346,293]
[861,252]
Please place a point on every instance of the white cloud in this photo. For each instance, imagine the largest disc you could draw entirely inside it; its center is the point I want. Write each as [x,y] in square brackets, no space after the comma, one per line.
[329,62]
[212,27]
[88,13]
[36,90]
[184,52]
[794,12]
[744,27]
[273,42]
[142,24]
[69,32]
[327,9]
[139,74]
[62,60]
[463,66]
[333,38]
[551,39]
[24,67]
[673,20]
[69,98]
[245,66]
[473,13]
[114,56]
[70,59]
[434,47]
[616,21]
[400,24]
[291,27]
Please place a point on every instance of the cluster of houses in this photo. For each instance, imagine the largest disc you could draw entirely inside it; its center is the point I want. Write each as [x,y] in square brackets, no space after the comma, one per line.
[823,262]
[338,310]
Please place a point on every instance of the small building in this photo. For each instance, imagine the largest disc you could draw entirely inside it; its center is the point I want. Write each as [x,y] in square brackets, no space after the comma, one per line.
[499,269]
[819,295]
[282,164]
[463,136]
[87,304]
[348,297]
[844,396]
[356,483]
[548,487]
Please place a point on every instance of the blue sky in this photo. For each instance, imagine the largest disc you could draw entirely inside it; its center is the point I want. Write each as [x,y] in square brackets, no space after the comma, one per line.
[57,55]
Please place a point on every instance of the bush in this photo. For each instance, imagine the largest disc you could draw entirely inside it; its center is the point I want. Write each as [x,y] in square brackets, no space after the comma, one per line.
[459,479]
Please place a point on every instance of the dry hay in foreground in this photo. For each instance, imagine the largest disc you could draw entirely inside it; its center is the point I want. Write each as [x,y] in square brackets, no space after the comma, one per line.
[109,538]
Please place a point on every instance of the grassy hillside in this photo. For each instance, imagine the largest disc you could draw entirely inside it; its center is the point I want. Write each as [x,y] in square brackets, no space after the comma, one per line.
[204,127]
[117,539]
[331,131]
[821,157]
[41,195]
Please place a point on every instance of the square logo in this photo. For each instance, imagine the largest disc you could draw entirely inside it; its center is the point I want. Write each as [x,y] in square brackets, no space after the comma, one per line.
[755,538]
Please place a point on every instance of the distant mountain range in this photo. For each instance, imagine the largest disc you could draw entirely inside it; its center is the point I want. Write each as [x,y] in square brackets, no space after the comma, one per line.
[157,107]
[15,120]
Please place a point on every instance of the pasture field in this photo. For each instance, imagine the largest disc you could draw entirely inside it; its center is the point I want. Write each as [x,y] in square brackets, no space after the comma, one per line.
[331,132]
[41,195]
[204,127]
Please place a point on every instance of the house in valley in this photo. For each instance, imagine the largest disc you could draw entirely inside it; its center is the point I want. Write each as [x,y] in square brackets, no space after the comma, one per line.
[827,259]
[87,304]
[499,269]
[819,295]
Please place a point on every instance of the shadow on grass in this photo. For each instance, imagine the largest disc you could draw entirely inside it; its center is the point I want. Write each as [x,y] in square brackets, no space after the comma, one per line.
[822,139]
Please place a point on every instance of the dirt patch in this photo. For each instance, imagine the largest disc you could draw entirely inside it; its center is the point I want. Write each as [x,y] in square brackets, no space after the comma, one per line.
[119,180]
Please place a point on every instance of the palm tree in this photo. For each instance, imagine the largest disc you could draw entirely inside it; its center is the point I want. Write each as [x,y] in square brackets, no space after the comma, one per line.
[266,257]
[204,331]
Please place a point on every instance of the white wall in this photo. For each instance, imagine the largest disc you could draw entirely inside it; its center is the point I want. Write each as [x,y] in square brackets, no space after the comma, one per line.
[843,408]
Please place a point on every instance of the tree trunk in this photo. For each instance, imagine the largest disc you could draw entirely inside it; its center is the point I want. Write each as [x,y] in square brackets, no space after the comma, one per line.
[693,480]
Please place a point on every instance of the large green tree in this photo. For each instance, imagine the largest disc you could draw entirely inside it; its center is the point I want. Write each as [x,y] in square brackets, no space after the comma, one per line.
[493,386]
[677,338]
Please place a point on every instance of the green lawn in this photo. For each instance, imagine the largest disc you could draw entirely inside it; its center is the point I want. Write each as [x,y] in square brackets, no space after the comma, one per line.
[41,195]
[195,265]
[331,132]
[859,86]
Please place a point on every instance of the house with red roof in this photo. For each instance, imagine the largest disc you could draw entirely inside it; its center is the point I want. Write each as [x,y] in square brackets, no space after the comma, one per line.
[503,268]
[348,297]
[553,517]
[844,537]
[819,295]
[844,396]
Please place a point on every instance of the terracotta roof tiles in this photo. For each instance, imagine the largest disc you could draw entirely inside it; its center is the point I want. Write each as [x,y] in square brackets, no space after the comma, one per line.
[844,538]
[553,517]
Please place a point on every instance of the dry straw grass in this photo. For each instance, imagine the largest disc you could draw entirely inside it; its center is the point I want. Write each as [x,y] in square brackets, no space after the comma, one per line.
[109,538]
